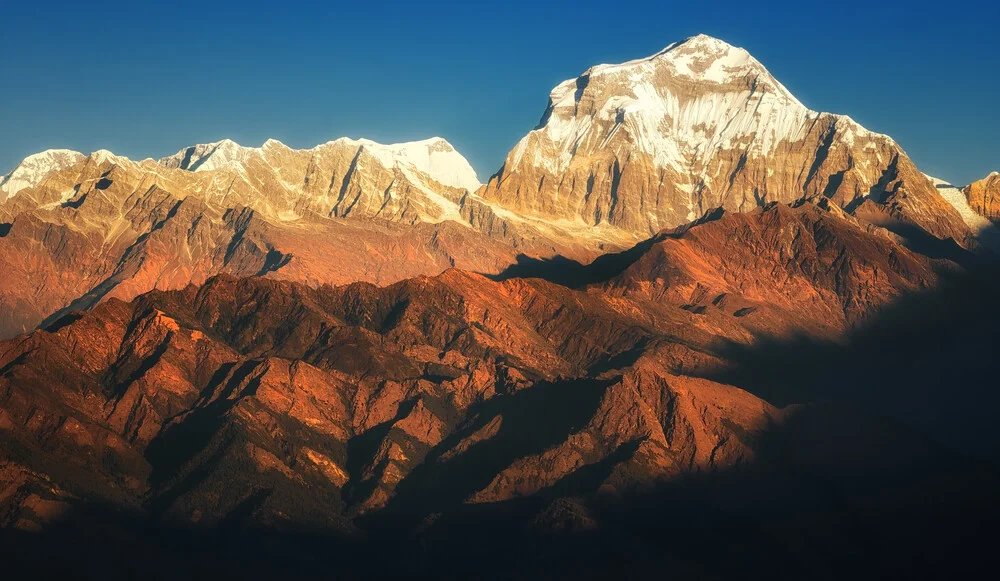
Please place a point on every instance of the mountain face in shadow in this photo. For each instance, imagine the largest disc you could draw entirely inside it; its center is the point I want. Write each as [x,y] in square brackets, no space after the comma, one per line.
[926,360]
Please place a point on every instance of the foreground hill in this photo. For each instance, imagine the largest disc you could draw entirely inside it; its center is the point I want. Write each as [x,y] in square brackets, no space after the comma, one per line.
[358,410]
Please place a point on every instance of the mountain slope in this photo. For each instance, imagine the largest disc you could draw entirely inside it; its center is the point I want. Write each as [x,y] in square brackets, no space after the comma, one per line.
[986,232]
[356,359]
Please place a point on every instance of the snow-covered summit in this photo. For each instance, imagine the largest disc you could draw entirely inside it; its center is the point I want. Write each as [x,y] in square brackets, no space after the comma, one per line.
[699,59]
[679,105]
[34,168]
[434,157]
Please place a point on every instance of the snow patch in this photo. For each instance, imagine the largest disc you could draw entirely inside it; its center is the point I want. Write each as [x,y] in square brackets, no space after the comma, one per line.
[985,231]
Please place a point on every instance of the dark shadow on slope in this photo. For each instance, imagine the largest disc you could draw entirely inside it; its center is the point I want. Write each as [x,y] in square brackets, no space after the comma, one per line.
[619,361]
[63,321]
[920,241]
[572,274]
[5,229]
[75,204]
[82,303]
[523,423]
[927,360]
[178,443]
[831,494]
[124,270]
[78,548]
[273,261]
[362,448]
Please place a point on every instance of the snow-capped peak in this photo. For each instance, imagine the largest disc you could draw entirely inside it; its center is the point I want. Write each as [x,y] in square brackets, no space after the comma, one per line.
[681,104]
[208,156]
[701,59]
[434,157]
[34,168]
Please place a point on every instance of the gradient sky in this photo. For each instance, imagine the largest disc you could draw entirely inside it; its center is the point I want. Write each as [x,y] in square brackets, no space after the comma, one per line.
[146,79]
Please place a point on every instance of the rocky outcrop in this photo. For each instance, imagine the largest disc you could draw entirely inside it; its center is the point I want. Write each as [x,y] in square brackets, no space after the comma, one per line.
[984,197]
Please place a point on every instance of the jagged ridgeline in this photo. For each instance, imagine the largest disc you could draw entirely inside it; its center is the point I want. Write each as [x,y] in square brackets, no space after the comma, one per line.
[621,153]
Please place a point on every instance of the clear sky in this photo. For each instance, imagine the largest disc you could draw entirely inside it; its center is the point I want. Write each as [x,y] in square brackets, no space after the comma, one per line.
[145,79]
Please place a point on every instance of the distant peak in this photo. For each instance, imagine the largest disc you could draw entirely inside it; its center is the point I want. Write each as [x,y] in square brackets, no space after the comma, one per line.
[207,156]
[274,143]
[102,155]
[223,143]
[439,142]
[434,157]
[54,153]
[50,156]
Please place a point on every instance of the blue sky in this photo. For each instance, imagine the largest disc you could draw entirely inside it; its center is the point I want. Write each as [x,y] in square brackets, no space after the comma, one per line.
[146,79]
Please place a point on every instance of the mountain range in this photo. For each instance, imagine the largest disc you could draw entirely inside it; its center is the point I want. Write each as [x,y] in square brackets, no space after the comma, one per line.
[683,295]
